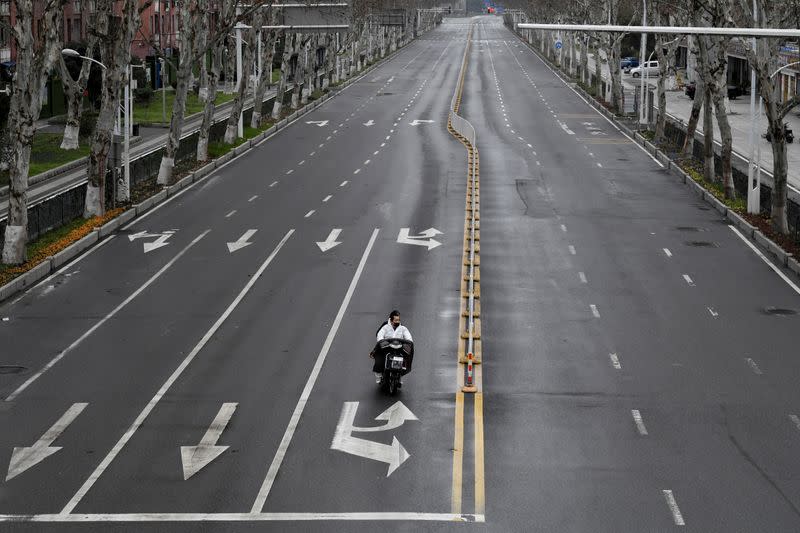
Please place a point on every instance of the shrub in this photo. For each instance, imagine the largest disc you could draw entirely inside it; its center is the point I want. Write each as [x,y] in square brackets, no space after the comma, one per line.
[88,123]
[143,95]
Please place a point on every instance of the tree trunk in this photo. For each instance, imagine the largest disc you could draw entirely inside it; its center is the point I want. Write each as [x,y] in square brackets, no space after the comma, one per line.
[264,79]
[585,61]
[210,106]
[617,93]
[708,135]
[73,90]
[232,127]
[279,94]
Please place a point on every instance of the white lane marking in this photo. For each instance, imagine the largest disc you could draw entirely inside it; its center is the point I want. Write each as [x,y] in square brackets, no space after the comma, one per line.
[87,485]
[367,162]
[312,153]
[303,162]
[795,420]
[753,366]
[252,198]
[102,321]
[595,312]
[565,128]
[289,171]
[246,517]
[229,215]
[356,171]
[572,249]
[599,165]
[591,154]
[388,137]
[309,213]
[327,198]
[637,418]
[328,138]
[615,361]
[667,252]
[677,517]
[241,242]
[688,280]
[274,183]
[563,228]
[538,164]
[767,261]
[383,144]
[582,277]
[195,458]
[263,493]
[321,145]
[342,184]
[715,314]
[530,146]
[375,152]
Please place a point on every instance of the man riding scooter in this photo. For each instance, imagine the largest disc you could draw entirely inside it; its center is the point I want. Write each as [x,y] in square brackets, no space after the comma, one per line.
[392,330]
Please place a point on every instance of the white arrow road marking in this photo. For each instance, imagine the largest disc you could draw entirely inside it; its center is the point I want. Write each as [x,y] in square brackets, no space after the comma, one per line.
[319,123]
[417,122]
[404,238]
[395,416]
[142,235]
[565,128]
[331,241]
[194,458]
[158,243]
[22,458]
[369,123]
[242,241]
[394,455]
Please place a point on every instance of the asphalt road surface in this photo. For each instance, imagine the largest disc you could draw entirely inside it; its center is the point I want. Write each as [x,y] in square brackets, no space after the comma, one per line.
[206,368]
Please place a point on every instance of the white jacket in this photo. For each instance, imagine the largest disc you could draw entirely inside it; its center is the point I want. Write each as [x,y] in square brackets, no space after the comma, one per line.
[388,332]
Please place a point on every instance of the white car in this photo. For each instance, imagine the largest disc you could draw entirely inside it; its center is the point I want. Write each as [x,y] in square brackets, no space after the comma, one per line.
[650,70]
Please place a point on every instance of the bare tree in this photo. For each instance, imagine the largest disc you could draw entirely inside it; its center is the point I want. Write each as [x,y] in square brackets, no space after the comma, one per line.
[36,55]
[73,90]
[244,82]
[265,76]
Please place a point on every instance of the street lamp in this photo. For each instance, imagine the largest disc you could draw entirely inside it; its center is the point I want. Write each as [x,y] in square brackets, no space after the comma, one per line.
[643,51]
[754,188]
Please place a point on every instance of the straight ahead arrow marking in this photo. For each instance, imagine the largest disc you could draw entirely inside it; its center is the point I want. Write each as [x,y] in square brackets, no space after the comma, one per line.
[194,458]
[23,458]
[423,239]
[242,242]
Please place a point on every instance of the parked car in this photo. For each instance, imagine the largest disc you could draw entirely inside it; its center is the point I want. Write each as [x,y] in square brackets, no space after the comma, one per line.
[650,69]
[628,63]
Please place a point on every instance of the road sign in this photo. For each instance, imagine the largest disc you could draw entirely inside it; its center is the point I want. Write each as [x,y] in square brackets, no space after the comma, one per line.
[558,44]
[392,454]
[423,239]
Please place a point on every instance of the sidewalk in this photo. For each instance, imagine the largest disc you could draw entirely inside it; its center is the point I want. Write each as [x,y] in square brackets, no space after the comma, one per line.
[679,107]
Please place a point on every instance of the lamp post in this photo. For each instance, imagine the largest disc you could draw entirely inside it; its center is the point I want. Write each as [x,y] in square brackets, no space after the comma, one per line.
[643,51]
[163,90]
[647,74]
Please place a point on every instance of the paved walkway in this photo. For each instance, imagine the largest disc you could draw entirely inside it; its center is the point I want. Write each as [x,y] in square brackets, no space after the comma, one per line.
[679,107]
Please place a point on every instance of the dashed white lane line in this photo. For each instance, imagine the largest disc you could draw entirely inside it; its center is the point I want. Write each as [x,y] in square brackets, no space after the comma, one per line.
[252,198]
[229,215]
[289,171]
[563,228]
[714,313]
[309,213]
[572,249]
[615,361]
[303,162]
[595,312]
[328,138]
[753,366]
[795,420]
[582,277]
[274,183]
[667,252]
[530,146]
[388,137]
[383,144]
[312,153]
[637,418]
[688,280]
[767,261]
[677,517]
[321,145]
[356,171]
[375,152]
[367,162]
[599,165]
[342,184]
[327,198]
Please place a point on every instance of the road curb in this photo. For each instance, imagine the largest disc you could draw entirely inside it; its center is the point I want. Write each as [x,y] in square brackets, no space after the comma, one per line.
[51,264]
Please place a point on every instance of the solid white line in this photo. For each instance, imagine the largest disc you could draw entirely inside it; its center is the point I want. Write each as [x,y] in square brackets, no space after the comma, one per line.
[615,361]
[753,366]
[667,252]
[261,499]
[102,321]
[572,249]
[253,198]
[688,279]
[767,261]
[673,507]
[637,418]
[309,214]
[245,517]
[582,276]
[274,183]
[342,184]
[327,198]
[229,215]
[795,420]
[595,312]
[87,485]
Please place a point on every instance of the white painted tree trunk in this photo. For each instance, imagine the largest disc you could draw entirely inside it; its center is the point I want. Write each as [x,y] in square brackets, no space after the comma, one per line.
[232,128]
[281,89]
[268,49]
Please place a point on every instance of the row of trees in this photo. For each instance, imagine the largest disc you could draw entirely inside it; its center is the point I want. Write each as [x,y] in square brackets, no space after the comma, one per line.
[710,53]
[206,27]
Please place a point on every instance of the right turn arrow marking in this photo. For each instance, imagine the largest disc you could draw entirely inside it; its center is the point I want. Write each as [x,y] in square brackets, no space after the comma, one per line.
[331,241]
[194,458]
[23,458]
